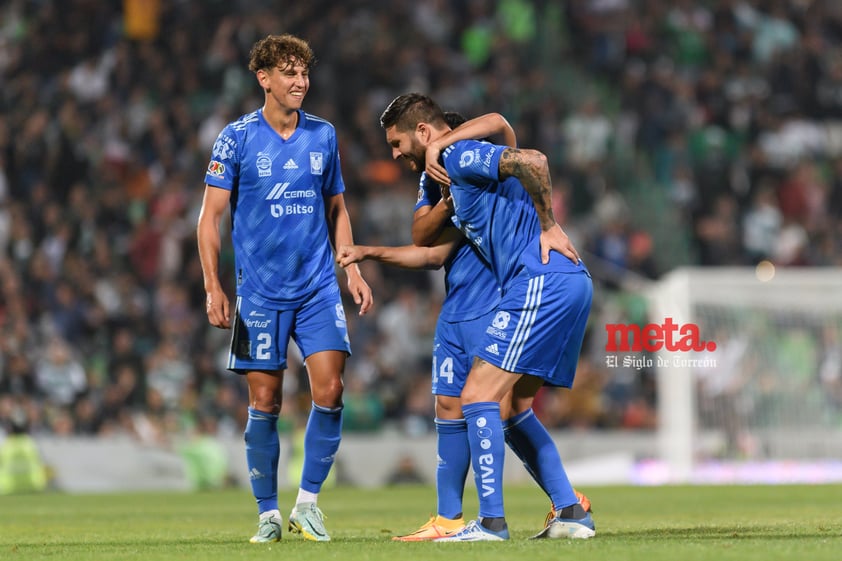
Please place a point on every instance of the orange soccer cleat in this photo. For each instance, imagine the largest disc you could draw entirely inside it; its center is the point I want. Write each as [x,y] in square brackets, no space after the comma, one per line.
[583,500]
[436,527]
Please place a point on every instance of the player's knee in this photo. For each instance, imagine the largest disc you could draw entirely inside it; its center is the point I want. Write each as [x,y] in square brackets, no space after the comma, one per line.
[448,407]
[473,394]
[265,398]
[267,404]
[328,394]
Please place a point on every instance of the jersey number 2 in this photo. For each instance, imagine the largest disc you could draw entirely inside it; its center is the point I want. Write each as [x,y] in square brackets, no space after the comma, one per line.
[264,342]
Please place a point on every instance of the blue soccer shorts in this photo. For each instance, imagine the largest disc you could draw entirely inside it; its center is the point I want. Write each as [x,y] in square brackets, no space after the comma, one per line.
[454,348]
[261,335]
[539,326]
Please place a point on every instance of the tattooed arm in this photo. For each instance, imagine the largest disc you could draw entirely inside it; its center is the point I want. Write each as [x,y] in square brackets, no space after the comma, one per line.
[531,168]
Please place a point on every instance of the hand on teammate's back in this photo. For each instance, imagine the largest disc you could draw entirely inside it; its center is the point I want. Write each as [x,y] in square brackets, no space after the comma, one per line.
[556,239]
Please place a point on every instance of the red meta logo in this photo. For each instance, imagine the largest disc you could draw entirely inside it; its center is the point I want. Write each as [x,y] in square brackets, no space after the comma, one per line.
[652,337]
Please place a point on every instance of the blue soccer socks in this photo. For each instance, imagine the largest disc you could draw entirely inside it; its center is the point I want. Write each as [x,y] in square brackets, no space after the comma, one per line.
[531,442]
[453,459]
[521,446]
[262,453]
[488,450]
[321,442]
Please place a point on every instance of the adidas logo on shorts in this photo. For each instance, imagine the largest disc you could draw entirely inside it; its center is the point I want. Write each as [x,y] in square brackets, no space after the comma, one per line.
[492,348]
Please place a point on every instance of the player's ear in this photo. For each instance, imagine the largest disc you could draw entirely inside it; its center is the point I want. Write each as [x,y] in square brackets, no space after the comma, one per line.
[422,131]
[263,78]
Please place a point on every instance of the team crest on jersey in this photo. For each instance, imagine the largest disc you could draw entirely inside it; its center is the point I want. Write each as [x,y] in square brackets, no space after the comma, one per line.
[264,165]
[223,148]
[216,169]
[316,163]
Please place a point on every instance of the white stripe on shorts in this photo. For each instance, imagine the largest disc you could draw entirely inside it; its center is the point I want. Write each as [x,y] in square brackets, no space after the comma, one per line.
[525,323]
[232,355]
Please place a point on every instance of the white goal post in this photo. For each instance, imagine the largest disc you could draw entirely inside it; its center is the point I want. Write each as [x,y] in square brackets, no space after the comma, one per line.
[771,390]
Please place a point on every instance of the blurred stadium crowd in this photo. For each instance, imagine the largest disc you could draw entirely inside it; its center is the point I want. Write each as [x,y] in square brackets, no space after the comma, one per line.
[679,132]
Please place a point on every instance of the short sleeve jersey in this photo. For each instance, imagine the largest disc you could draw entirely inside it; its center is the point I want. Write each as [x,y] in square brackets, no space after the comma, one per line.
[278,187]
[498,217]
[470,286]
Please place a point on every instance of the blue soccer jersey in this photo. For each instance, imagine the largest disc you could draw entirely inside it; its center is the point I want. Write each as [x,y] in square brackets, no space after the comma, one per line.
[497,216]
[471,288]
[278,192]
[540,322]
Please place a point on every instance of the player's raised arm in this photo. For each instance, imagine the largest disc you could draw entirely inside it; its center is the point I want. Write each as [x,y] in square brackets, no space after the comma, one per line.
[339,227]
[490,124]
[533,172]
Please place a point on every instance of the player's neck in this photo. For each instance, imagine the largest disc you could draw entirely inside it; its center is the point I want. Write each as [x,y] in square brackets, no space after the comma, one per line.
[435,134]
[282,119]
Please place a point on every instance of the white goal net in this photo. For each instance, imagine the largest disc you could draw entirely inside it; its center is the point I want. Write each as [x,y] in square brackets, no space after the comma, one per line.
[765,404]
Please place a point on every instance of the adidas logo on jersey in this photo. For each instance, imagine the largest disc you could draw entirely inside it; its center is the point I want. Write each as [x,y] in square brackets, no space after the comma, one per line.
[290,164]
[492,348]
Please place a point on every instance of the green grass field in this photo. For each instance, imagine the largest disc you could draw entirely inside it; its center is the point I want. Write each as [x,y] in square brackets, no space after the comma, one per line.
[742,523]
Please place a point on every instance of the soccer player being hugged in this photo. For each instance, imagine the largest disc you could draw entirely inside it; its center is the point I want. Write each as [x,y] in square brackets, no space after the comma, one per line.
[472,295]
[502,203]
[277,170]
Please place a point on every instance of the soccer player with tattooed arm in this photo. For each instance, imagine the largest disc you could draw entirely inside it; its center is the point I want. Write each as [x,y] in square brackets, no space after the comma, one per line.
[472,295]
[502,204]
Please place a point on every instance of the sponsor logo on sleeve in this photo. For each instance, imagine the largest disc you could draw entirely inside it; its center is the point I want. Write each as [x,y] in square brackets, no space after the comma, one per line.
[486,162]
[223,148]
[216,168]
